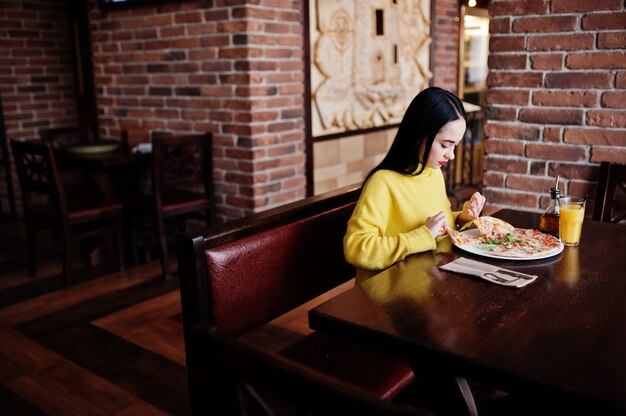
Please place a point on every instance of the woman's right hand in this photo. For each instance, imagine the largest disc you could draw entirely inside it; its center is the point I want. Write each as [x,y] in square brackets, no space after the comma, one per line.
[435,224]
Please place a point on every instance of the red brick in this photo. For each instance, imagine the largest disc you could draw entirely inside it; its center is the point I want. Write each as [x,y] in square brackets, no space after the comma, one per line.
[561,42]
[493,179]
[257,116]
[555,152]
[504,147]
[511,198]
[514,79]
[208,41]
[607,118]
[565,98]
[570,6]
[546,24]
[253,91]
[573,171]
[518,7]
[550,116]
[608,154]
[280,127]
[512,131]
[614,99]
[501,113]
[578,80]
[612,40]
[500,25]
[276,28]
[529,183]
[580,188]
[595,136]
[240,53]
[604,21]
[242,12]
[506,165]
[552,134]
[538,167]
[496,61]
[608,60]
[514,97]
[620,80]
[507,43]
[217,91]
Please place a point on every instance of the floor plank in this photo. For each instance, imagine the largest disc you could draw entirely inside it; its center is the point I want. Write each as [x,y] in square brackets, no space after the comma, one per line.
[58,357]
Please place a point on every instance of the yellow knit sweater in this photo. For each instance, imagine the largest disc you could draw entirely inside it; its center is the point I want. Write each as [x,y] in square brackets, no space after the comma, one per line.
[387,224]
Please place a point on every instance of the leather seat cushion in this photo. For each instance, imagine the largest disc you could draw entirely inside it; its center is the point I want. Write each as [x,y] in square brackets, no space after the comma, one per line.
[383,374]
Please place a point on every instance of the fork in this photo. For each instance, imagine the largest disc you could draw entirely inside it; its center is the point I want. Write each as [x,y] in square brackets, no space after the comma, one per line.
[514,274]
[499,279]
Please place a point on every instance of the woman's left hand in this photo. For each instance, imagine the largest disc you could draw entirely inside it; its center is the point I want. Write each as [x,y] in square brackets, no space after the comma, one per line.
[472,208]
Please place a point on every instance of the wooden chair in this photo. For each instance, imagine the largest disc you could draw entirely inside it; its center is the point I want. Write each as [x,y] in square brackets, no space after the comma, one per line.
[61,136]
[46,205]
[611,194]
[252,382]
[181,185]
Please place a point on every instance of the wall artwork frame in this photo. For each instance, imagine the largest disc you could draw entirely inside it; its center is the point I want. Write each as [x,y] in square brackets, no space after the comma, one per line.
[368,59]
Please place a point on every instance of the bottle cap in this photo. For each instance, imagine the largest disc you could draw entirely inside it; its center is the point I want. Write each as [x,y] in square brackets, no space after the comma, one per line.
[554,193]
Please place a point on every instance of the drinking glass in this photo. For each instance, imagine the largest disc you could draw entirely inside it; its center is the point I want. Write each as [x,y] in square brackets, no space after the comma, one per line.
[572,214]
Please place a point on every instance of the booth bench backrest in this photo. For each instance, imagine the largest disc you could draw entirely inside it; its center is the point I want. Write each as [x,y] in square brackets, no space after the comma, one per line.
[247,272]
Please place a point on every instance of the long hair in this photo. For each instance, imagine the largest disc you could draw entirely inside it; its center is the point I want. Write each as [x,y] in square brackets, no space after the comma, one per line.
[429,111]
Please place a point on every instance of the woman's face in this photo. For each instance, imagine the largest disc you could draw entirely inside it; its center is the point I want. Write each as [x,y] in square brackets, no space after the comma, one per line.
[444,144]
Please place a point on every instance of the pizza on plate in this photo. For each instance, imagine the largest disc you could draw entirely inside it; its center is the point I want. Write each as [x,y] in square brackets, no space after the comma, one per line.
[501,238]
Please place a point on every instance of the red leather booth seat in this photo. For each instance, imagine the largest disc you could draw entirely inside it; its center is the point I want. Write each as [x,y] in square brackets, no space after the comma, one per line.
[248,272]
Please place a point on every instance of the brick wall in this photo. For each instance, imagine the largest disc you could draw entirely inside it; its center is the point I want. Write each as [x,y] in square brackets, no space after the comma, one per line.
[36,75]
[234,68]
[557,97]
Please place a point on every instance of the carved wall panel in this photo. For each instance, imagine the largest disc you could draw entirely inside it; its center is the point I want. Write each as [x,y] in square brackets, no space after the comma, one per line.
[369,58]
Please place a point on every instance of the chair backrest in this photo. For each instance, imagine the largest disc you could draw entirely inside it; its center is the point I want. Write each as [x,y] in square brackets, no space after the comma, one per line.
[61,136]
[246,376]
[611,194]
[38,175]
[181,161]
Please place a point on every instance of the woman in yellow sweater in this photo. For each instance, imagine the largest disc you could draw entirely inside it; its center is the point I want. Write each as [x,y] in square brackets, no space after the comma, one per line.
[403,206]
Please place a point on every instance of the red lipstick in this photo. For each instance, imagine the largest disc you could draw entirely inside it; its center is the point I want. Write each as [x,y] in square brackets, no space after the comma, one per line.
[442,163]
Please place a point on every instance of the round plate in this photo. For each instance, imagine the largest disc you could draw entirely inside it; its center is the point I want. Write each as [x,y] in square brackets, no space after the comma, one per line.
[91,148]
[486,253]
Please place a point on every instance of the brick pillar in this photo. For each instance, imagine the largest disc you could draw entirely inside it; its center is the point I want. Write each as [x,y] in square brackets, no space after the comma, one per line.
[445,34]
[234,68]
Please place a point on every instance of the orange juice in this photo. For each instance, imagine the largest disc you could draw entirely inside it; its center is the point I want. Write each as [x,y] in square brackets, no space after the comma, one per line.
[571,220]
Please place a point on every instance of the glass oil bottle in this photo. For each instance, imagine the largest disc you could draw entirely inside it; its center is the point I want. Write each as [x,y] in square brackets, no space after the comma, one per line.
[549,221]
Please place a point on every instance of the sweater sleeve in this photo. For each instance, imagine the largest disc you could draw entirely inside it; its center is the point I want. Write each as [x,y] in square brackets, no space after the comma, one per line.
[366,245]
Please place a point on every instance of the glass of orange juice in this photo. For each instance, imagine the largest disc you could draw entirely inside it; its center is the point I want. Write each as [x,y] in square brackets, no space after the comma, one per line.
[572,213]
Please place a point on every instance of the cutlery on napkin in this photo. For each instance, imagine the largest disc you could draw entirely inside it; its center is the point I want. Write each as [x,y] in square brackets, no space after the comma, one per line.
[489,272]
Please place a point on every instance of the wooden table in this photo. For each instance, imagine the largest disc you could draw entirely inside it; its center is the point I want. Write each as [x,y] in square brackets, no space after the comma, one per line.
[112,171]
[563,336]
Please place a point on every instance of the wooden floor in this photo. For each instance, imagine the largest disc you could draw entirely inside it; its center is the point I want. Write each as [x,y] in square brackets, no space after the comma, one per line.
[110,345]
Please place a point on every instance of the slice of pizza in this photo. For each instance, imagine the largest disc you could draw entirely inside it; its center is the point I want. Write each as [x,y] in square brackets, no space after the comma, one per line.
[459,239]
[493,228]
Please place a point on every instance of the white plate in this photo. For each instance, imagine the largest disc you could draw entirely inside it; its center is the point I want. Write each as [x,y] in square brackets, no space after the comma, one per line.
[486,253]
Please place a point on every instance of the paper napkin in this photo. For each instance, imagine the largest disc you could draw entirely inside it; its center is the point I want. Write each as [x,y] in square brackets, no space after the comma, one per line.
[489,272]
